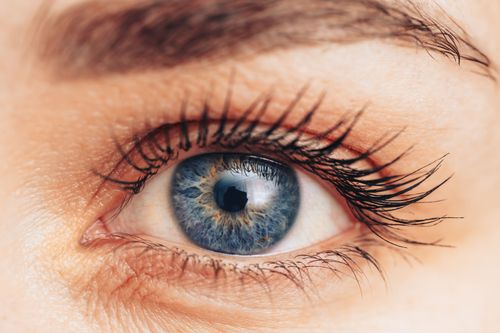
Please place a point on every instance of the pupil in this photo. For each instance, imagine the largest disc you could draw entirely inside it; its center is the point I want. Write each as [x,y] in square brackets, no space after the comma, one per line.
[228,197]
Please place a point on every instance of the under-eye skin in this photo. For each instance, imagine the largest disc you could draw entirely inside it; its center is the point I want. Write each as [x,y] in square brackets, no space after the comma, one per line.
[372,195]
[234,203]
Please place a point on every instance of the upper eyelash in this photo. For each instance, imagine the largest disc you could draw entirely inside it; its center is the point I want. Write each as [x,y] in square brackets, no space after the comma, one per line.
[372,201]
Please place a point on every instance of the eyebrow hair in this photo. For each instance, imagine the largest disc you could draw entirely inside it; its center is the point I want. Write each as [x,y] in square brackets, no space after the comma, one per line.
[98,37]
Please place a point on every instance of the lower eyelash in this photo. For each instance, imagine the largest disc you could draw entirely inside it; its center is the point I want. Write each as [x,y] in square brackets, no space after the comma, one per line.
[173,264]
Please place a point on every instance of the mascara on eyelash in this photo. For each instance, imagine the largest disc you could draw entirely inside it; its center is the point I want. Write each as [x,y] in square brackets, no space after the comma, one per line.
[373,199]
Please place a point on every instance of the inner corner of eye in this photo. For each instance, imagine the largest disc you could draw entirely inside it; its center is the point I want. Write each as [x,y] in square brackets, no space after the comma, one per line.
[235,204]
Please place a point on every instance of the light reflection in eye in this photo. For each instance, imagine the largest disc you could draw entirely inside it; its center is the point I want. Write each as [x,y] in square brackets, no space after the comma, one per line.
[234,203]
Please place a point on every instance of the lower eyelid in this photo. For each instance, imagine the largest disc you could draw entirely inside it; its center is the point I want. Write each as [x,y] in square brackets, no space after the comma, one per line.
[148,273]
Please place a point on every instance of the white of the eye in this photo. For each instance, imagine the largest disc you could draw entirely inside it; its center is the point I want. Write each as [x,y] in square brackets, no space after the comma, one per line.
[149,213]
[320,216]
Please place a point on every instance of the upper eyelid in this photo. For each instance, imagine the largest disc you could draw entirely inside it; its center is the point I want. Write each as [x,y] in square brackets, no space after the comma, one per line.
[182,128]
[300,126]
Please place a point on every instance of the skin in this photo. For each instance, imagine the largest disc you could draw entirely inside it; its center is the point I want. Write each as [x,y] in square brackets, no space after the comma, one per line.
[53,132]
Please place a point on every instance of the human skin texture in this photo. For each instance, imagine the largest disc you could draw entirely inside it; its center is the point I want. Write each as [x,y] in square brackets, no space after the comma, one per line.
[61,114]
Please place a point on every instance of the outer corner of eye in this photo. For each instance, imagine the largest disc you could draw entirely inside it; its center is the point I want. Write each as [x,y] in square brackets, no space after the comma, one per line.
[234,204]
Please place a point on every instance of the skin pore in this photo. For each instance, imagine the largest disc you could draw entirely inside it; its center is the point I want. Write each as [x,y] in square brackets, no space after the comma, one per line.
[65,102]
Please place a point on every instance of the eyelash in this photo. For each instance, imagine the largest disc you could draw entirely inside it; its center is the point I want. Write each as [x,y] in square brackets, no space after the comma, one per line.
[341,261]
[372,201]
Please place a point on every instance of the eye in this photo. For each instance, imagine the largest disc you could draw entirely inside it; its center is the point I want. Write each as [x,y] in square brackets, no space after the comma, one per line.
[257,201]
[233,203]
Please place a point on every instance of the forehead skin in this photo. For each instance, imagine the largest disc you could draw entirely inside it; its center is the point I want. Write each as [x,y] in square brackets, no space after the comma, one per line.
[453,290]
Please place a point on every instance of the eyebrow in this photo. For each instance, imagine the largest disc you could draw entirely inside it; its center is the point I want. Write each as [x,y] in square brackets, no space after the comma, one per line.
[97,37]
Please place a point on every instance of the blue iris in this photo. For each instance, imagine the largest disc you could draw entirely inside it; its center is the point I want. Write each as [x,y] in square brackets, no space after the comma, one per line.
[234,203]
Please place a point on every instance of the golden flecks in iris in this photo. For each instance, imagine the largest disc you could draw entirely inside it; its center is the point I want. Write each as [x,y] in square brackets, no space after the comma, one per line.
[205,199]
[264,239]
[246,218]
[217,216]
[214,170]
